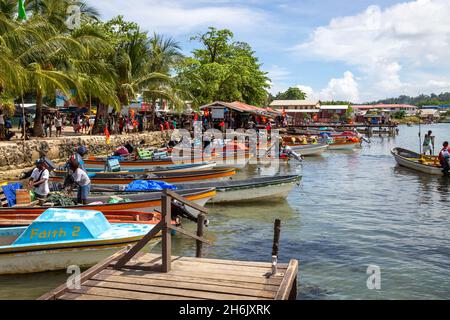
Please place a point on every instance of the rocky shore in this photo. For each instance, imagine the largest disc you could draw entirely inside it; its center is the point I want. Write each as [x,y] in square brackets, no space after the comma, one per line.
[17,156]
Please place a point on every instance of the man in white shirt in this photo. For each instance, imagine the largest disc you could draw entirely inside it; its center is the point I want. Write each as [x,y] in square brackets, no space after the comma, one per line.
[39,180]
[80,179]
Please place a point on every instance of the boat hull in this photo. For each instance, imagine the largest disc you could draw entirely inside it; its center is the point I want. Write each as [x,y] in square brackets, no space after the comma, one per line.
[266,193]
[343,146]
[309,150]
[149,205]
[144,164]
[114,179]
[259,189]
[59,259]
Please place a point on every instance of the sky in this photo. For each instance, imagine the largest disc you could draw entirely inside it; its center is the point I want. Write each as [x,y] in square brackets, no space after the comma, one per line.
[353,50]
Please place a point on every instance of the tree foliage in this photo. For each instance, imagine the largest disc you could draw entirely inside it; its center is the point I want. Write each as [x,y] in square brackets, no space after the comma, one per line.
[292,93]
[223,69]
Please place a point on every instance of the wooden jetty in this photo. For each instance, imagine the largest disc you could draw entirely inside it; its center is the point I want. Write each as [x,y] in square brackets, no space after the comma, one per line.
[131,274]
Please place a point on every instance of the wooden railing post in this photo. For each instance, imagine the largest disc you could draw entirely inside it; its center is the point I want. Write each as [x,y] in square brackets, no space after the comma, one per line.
[276,237]
[166,212]
[200,226]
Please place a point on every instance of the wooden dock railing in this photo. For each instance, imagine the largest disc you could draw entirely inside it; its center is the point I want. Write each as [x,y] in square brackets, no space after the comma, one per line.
[165,226]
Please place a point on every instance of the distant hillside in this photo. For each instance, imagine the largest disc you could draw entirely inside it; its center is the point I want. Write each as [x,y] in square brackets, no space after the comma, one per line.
[422,100]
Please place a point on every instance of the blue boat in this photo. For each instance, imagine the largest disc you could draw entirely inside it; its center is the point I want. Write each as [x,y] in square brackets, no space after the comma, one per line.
[59,238]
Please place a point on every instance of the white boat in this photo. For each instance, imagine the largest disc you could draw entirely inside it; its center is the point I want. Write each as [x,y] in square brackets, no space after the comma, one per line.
[254,189]
[60,238]
[309,149]
[343,146]
[415,161]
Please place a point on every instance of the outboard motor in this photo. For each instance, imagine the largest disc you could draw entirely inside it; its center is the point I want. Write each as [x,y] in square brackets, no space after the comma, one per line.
[180,210]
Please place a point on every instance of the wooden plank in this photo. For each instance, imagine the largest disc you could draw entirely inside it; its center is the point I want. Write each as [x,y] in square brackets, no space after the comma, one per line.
[77,296]
[187,233]
[242,278]
[166,206]
[154,256]
[139,246]
[124,294]
[211,267]
[187,202]
[127,287]
[288,281]
[192,279]
[54,294]
[186,285]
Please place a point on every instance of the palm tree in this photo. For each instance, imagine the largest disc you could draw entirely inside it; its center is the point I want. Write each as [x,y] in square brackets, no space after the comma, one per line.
[44,47]
[57,11]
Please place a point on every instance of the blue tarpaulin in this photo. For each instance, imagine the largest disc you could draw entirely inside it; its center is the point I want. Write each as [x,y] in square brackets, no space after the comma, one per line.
[149,185]
[10,192]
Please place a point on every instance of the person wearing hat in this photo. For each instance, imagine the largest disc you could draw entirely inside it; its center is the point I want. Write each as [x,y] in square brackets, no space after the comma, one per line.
[39,180]
[78,157]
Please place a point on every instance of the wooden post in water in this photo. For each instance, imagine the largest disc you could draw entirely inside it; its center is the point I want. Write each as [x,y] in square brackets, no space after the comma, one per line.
[200,226]
[276,237]
[166,211]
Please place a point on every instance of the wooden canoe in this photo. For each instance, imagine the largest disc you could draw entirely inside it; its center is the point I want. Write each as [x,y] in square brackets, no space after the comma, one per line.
[113,178]
[99,163]
[143,202]
[415,161]
[254,189]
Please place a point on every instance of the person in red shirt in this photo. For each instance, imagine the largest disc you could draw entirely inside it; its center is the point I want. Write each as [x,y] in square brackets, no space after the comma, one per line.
[166,125]
[444,158]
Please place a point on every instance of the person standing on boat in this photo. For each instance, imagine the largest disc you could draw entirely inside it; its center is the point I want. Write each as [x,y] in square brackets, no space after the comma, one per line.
[444,158]
[80,178]
[78,157]
[428,143]
[39,180]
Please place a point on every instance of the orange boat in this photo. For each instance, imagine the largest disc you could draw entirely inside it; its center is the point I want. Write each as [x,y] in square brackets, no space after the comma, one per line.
[25,219]
[139,202]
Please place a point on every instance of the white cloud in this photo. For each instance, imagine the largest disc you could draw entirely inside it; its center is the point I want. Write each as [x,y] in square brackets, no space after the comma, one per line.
[279,77]
[389,46]
[342,89]
[182,17]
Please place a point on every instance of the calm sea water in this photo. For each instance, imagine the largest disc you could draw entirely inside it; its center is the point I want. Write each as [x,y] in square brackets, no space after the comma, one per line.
[351,210]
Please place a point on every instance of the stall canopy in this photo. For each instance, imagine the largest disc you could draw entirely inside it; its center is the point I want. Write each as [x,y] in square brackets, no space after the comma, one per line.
[238,107]
[30,108]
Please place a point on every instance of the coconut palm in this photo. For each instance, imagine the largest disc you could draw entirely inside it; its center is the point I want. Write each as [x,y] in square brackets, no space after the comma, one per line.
[57,11]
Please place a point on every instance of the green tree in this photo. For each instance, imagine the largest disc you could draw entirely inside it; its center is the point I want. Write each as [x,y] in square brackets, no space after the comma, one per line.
[223,69]
[292,93]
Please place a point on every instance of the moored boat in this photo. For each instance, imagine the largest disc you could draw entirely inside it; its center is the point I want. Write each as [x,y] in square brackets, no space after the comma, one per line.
[171,168]
[118,178]
[254,189]
[100,163]
[343,145]
[143,202]
[59,238]
[415,161]
[309,149]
